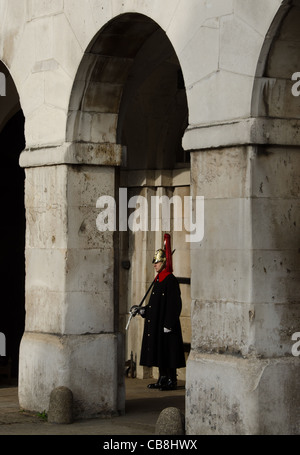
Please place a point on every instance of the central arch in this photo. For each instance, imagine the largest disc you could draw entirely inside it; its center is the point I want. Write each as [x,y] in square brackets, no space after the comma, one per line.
[128,108]
[129,56]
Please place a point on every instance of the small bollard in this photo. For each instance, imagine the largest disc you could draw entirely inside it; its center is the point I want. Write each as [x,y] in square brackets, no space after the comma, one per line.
[170,422]
[61,406]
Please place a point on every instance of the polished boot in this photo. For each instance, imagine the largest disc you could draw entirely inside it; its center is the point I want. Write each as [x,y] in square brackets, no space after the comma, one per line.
[169,385]
[162,380]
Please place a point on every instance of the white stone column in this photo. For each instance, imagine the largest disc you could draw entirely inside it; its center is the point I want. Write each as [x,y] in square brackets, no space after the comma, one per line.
[241,374]
[70,336]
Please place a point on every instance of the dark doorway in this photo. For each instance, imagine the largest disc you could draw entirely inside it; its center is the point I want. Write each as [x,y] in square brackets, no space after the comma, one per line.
[12,228]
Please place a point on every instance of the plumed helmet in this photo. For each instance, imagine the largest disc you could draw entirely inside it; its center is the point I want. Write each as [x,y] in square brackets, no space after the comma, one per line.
[159,256]
[164,255]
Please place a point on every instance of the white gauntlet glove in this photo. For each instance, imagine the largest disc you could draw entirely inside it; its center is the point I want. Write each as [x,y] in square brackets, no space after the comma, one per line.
[135,309]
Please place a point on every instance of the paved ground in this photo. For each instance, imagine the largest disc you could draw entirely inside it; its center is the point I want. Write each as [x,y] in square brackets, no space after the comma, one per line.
[143,407]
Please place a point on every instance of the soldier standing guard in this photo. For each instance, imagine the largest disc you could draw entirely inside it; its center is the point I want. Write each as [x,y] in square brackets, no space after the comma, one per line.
[162,344]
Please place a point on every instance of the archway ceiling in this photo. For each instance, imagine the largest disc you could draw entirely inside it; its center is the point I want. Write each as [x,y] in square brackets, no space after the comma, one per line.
[123,36]
[102,74]
[119,59]
[272,89]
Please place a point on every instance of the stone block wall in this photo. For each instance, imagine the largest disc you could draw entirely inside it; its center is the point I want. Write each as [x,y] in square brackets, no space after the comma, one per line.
[243,137]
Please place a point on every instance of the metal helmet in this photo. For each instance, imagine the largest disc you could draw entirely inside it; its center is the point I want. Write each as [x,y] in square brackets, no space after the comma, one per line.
[159,256]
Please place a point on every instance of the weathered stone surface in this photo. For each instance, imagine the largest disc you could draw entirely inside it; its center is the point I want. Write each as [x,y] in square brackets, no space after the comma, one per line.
[170,422]
[46,361]
[242,388]
[61,406]
[244,273]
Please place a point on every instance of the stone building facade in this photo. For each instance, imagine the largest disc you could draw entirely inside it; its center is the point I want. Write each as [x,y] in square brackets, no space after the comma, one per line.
[174,98]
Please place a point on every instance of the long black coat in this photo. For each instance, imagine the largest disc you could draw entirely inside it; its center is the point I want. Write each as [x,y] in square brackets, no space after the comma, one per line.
[164,350]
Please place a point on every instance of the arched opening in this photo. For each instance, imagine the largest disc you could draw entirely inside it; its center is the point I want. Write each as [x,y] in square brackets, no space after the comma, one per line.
[277,104]
[279,60]
[12,272]
[152,119]
[275,214]
[129,92]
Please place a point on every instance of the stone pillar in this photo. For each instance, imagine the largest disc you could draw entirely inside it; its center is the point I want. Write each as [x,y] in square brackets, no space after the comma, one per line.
[70,336]
[241,374]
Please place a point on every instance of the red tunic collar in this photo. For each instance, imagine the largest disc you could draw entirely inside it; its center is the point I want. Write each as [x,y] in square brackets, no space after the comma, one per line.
[162,275]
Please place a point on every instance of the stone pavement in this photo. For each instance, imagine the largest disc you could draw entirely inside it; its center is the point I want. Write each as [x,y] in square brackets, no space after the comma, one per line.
[143,407]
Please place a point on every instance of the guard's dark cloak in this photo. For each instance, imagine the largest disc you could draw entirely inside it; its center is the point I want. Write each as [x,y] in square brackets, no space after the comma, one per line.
[163,310]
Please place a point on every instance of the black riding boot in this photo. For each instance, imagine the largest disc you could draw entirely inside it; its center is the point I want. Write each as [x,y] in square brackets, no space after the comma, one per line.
[162,380]
[171,383]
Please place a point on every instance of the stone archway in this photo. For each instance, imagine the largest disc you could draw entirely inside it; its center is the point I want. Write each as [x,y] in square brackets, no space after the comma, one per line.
[128,112]
[73,335]
[275,213]
[241,371]
[12,272]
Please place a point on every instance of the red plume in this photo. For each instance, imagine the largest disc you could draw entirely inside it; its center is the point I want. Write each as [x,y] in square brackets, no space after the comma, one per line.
[167,248]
